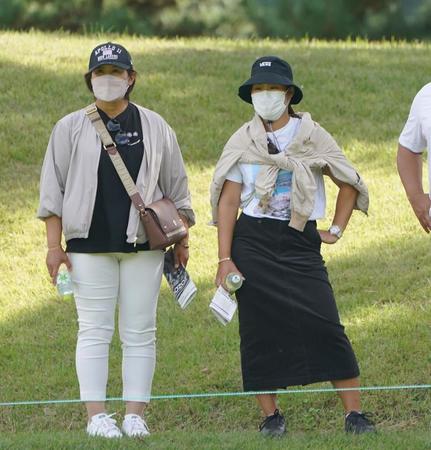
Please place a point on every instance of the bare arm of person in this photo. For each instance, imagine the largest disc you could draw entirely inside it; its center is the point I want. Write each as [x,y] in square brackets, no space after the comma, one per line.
[410,170]
[227,214]
[346,200]
[55,255]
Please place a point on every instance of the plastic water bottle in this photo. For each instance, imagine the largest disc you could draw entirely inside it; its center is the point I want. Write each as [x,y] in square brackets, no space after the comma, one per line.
[64,285]
[233,281]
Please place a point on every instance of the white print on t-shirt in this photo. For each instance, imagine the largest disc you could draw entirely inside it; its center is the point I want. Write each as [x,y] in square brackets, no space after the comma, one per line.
[134,143]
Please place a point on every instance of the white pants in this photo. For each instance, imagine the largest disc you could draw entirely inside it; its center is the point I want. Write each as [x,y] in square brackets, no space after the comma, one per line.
[99,280]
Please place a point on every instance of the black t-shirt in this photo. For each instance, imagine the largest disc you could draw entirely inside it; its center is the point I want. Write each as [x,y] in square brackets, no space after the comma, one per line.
[111,210]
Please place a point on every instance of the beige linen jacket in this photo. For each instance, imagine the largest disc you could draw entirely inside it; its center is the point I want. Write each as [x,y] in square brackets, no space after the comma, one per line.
[312,147]
[68,182]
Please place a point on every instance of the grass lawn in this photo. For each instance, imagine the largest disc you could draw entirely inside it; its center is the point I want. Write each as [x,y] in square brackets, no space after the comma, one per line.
[361,93]
[229,440]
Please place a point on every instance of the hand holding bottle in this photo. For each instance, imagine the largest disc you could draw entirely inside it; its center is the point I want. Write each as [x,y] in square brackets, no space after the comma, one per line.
[224,269]
[55,257]
[233,282]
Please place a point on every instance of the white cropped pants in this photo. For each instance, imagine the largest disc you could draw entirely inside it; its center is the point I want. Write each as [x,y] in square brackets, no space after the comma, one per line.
[100,281]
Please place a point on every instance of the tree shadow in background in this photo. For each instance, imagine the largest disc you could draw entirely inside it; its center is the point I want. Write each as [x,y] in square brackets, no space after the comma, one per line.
[349,91]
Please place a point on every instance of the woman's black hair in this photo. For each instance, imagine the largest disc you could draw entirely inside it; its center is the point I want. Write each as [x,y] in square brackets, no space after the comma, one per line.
[292,113]
[290,110]
[87,78]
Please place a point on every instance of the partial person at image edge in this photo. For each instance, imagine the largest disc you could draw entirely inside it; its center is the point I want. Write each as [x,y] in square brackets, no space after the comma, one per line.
[83,198]
[414,138]
[272,168]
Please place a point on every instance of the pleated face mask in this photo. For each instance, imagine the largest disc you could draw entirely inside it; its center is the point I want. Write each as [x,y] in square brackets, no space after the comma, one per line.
[109,88]
[269,105]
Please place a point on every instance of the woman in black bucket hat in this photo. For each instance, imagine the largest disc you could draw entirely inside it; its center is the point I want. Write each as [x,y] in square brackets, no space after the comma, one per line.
[270,69]
[272,168]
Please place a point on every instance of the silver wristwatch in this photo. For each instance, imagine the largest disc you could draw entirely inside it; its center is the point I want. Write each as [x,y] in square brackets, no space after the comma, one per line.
[335,230]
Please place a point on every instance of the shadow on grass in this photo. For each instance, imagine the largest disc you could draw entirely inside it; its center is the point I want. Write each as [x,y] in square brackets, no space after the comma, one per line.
[382,290]
[350,91]
[390,334]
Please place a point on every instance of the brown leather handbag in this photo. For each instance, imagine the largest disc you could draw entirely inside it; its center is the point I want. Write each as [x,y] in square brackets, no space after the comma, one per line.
[162,223]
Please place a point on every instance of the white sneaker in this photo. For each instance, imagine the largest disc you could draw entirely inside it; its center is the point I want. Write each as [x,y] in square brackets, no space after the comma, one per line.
[102,425]
[135,426]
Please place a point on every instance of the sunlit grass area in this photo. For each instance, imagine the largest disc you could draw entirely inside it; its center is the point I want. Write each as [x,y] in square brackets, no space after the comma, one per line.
[380,270]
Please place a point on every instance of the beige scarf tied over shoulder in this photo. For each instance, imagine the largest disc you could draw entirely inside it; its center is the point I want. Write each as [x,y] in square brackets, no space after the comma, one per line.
[311,148]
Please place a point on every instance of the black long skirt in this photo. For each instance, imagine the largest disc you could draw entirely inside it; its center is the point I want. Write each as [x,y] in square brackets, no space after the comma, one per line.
[289,325]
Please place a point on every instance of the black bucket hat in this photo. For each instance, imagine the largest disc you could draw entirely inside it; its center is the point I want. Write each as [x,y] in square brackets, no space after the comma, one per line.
[110,53]
[270,69]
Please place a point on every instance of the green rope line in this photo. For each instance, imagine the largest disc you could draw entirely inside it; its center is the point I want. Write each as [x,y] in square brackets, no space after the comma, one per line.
[231,394]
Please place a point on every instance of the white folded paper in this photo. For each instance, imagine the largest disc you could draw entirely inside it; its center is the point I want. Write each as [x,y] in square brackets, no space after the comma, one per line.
[223,306]
[181,284]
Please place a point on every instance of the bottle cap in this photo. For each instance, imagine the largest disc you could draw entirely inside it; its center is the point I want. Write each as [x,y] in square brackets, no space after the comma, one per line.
[236,278]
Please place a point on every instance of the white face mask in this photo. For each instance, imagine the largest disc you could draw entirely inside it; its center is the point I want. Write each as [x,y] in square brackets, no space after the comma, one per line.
[269,105]
[109,88]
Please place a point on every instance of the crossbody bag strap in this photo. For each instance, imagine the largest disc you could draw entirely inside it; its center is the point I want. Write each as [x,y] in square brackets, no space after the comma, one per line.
[109,145]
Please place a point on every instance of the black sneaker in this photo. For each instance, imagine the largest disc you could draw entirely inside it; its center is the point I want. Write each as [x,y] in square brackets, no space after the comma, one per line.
[274,425]
[358,423]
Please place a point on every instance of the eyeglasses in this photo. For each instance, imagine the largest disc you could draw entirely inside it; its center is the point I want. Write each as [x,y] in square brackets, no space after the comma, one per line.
[272,149]
[121,137]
